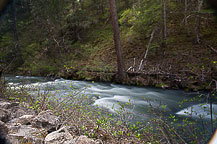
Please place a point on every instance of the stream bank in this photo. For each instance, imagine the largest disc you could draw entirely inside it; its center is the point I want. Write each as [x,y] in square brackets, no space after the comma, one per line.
[185,80]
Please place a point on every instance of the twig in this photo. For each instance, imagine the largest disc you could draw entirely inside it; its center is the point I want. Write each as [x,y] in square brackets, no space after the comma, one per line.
[131,67]
[174,132]
[58,44]
[8,65]
[212,48]
[185,19]
[134,63]
[167,138]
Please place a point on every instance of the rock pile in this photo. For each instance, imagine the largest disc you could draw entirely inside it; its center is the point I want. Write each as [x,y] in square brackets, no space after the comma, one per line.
[20,125]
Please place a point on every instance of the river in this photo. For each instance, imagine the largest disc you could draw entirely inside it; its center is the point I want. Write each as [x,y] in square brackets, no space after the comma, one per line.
[109,96]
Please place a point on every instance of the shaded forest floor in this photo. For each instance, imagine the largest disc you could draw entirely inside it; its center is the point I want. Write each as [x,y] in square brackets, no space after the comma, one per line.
[181,64]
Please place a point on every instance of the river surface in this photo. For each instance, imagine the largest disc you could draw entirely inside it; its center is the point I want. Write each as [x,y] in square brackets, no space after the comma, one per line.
[109,96]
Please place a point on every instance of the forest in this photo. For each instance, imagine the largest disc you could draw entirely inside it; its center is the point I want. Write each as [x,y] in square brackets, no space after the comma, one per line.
[172,42]
[165,44]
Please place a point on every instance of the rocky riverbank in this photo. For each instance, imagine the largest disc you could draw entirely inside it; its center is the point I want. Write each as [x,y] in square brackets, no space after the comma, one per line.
[21,125]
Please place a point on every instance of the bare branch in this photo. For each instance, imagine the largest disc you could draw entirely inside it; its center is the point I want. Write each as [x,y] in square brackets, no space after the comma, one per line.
[146,52]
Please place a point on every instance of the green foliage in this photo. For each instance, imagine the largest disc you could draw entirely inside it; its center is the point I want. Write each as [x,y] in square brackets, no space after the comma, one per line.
[54,33]
[144,18]
[6,46]
[48,9]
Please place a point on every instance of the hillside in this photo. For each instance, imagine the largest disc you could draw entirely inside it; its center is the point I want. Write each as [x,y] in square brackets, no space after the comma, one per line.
[75,41]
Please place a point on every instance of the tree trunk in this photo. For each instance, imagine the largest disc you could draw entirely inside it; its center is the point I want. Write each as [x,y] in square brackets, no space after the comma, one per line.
[164,27]
[185,19]
[15,21]
[102,7]
[17,53]
[81,4]
[16,39]
[114,18]
[2,4]
[197,27]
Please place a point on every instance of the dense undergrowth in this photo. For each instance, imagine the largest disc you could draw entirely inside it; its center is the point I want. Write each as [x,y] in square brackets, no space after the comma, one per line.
[75,110]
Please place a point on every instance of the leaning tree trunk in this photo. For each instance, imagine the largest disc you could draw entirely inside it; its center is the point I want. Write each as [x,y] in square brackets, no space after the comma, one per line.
[142,62]
[114,18]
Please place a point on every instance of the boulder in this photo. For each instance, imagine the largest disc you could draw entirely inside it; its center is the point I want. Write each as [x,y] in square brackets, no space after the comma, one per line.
[5,105]
[18,111]
[12,110]
[26,134]
[47,120]
[4,115]
[23,120]
[3,129]
[84,140]
[3,133]
[62,136]
[8,105]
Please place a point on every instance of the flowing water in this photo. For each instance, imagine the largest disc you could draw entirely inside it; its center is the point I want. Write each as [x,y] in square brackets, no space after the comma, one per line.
[109,96]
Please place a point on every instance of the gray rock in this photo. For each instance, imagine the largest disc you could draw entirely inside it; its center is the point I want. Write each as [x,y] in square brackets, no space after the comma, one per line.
[3,133]
[8,105]
[14,104]
[47,120]
[5,105]
[84,140]
[26,134]
[3,129]
[19,111]
[23,120]
[62,136]
[9,111]
[4,115]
